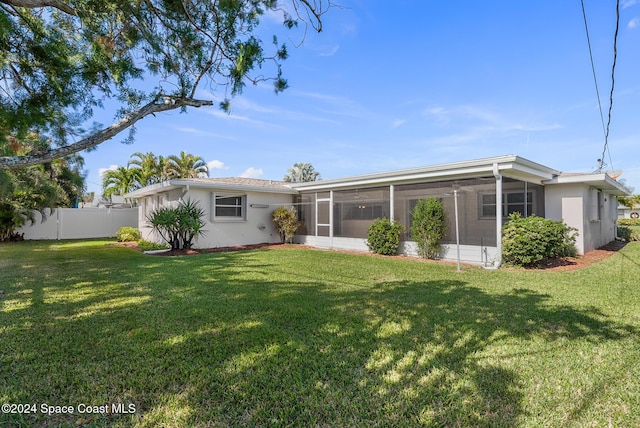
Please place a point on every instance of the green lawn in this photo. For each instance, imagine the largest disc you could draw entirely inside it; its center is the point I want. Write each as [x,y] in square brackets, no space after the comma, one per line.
[299,337]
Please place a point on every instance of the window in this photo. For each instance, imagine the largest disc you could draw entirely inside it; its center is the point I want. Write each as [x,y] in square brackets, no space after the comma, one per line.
[597,204]
[488,205]
[512,202]
[229,207]
[362,211]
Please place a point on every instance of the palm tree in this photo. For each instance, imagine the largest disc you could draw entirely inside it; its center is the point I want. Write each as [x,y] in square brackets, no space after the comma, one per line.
[186,166]
[22,193]
[120,181]
[152,167]
[302,172]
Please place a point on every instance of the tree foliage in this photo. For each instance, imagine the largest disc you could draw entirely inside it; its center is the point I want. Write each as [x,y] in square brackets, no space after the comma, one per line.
[40,188]
[62,59]
[428,226]
[301,172]
[145,169]
[185,165]
[286,221]
[629,201]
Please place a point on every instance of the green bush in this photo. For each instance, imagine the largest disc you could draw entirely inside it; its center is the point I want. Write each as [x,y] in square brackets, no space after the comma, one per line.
[145,245]
[428,226]
[383,236]
[528,241]
[628,222]
[286,220]
[127,234]
[629,233]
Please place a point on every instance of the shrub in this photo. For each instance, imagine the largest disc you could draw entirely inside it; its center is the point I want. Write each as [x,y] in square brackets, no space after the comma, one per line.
[428,226]
[383,236]
[178,226]
[286,220]
[127,234]
[528,241]
[145,245]
[628,221]
[629,233]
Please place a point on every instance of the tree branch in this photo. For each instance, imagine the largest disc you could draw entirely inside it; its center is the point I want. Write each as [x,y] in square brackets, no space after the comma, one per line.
[34,4]
[159,105]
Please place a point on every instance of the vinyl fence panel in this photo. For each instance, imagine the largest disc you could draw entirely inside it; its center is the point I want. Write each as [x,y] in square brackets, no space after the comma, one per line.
[81,223]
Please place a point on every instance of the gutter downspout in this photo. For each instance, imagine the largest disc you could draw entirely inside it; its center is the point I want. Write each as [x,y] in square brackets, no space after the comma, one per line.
[185,190]
[496,174]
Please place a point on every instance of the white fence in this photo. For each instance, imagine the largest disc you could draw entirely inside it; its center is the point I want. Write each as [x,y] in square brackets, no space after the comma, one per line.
[81,223]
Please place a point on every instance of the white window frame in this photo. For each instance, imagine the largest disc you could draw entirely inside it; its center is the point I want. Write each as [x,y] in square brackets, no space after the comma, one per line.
[505,203]
[242,205]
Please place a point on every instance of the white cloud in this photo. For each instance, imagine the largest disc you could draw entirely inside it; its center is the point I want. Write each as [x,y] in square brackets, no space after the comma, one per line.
[628,3]
[216,164]
[398,122]
[635,22]
[330,52]
[252,172]
[101,171]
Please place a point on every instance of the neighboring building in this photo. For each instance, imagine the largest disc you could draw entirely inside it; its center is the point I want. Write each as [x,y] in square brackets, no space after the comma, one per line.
[337,213]
[628,212]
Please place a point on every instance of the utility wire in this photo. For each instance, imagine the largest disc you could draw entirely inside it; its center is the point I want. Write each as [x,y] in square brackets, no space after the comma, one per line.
[613,81]
[593,68]
[606,128]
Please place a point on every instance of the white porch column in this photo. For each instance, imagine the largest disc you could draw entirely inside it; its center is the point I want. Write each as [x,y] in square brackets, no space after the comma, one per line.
[496,174]
[391,202]
[331,217]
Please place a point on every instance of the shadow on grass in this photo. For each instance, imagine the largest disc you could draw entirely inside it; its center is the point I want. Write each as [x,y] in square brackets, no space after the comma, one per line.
[233,339]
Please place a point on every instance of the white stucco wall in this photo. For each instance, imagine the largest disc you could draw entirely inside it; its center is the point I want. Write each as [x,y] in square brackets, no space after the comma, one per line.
[474,254]
[257,228]
[578,206]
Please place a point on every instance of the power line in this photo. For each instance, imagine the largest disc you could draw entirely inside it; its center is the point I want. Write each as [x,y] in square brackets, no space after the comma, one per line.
[606,128]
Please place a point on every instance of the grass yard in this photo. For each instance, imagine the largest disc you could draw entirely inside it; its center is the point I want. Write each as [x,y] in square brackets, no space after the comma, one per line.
[299,337]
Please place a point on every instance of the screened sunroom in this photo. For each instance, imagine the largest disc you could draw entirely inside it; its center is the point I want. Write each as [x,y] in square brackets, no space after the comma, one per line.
[337,213]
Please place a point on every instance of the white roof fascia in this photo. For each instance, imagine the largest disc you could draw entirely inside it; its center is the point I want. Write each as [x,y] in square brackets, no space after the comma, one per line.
[235,187]
[522,168]
[152,190]
[225,187]
[599,181]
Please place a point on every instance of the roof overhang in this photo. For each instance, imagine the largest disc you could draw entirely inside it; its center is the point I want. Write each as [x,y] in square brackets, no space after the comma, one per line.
[599,181]
[169,185]
[508,166]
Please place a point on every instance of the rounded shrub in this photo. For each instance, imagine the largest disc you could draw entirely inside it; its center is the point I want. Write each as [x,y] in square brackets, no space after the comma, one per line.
[383,236]
[128,234]
[528,241]
[629,233]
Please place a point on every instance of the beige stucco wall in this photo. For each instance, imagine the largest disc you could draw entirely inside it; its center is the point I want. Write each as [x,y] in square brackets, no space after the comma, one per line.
[258,227]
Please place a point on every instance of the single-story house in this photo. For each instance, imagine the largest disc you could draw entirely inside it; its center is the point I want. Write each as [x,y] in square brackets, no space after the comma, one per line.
[628,212]
[336,213]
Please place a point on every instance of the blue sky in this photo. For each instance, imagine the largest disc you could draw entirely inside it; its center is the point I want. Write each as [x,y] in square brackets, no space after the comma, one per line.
[420,83]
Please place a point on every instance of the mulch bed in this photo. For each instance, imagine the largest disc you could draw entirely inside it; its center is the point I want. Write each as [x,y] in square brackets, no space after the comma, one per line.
[559,264]
[573,263]
[195,251]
